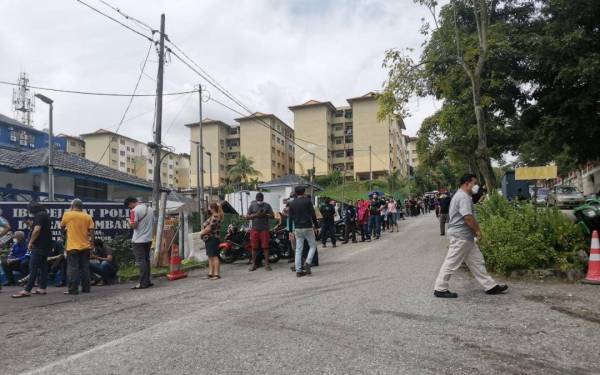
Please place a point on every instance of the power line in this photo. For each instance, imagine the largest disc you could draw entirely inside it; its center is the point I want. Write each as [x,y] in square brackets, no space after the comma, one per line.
[118,10]
[178,113]
[130,100]
[80,92]
[116,20]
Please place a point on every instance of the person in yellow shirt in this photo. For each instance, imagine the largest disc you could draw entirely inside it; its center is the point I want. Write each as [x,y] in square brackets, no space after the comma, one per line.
[79,228]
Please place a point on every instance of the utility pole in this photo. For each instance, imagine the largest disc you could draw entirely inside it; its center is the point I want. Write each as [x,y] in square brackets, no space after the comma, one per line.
[50,102]
[200,157]
[158,130]
[210,173]
[370,171]
[312,178]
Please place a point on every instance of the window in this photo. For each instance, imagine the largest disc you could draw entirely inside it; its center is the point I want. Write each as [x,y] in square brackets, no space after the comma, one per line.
[337,128]
[171,176]
[339,113]
[90,190]
[122,141]
[349,139]
[170,166]
[72,143]
[149,171]
[114,150]
[122,153]
[273,150]
[128,170]
[338,141]
[339,154]
[348,113]
[273,163]
[122,164]
[222,167]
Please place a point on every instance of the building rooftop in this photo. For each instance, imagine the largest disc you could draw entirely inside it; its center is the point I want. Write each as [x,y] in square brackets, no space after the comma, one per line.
[368,96]
[65,162]
[108,132]
[289,180]
[208,121]
[312,103]
[13,122]
[259,115]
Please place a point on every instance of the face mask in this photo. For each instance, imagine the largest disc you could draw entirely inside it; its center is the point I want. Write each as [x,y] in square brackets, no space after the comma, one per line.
[475,189]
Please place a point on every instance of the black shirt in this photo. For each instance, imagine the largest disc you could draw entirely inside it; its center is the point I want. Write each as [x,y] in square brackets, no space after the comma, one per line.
[104,252]
[445,204]
[44,240]
[328,212]
[374,208]
[350,214]
[302,213]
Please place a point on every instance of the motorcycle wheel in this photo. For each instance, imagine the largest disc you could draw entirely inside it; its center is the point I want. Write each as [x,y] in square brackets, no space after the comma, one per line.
[227,256]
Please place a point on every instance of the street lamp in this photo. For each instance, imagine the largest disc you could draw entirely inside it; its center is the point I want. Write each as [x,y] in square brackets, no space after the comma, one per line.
[49,101]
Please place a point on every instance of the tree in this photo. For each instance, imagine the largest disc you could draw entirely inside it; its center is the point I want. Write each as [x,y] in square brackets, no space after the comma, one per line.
[242,170]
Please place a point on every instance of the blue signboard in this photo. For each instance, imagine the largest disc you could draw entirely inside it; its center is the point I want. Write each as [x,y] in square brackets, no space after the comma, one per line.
[111,219]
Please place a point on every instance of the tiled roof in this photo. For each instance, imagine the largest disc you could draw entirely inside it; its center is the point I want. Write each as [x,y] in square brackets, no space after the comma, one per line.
[68,163]
[289,180]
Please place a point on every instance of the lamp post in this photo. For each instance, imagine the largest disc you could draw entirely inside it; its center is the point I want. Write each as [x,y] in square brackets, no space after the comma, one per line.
[210,172]
[199,180]
[49,101]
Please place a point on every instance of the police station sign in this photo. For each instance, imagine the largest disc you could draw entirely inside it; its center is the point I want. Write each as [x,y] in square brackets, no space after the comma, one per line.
[111,219]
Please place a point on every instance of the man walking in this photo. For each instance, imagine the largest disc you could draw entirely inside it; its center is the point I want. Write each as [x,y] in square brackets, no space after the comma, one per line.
[79,228]
[462,230]
[302,215]
[40,242]
[327,210]
[141,217]
[374,217]
[260,212]
[444,209]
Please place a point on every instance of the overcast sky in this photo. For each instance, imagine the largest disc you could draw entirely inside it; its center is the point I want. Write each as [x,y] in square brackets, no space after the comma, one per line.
[270,54]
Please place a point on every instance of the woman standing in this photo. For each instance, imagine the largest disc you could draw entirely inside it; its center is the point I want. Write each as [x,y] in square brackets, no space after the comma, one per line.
[210,233]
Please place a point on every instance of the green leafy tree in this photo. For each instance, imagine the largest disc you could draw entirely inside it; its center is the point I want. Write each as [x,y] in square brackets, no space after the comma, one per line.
[242,170]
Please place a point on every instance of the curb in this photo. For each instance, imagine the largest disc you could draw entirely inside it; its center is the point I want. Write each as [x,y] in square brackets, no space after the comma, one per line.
[204,264]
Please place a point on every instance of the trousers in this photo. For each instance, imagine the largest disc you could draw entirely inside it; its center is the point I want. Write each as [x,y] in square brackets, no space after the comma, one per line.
[463,250]
[78,265]
[302,234]
[443,220]
[141,252]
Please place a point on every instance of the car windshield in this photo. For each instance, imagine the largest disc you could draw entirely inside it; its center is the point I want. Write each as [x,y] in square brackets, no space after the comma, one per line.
[566,190]
[542,192]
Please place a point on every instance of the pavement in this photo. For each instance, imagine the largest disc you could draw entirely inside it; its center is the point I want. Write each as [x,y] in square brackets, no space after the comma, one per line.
[367,309]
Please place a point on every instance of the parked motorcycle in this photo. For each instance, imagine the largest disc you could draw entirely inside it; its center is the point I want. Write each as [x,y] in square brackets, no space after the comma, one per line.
[281,237]
[237,246]
[588,216]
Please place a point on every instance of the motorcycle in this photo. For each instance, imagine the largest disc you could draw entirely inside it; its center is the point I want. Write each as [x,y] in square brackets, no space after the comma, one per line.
[588,216]
[237,246]
[281,237]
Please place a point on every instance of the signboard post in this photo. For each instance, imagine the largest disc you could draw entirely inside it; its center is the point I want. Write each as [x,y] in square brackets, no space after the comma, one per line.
[111,219]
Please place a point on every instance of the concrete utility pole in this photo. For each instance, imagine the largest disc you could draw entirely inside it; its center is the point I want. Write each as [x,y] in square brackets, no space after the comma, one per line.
[210,173]
[370,170]
[158,130]
[200,160]
[50,102]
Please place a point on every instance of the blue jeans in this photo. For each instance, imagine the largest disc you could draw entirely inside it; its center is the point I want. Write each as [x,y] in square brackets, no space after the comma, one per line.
[38,268]
[302,234]
[374,225]
[365,231]
[105,269]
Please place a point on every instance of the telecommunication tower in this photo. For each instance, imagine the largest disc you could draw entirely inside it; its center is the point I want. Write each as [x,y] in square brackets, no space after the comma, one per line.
[23,102]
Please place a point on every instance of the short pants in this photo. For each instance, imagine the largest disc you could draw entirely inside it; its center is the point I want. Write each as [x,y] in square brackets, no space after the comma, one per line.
[259,239]
[212,246]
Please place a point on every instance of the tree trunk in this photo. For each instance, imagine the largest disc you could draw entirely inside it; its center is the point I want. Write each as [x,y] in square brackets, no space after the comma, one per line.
[481,154]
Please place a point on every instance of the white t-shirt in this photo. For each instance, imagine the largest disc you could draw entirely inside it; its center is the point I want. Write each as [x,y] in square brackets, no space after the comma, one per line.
[144,217]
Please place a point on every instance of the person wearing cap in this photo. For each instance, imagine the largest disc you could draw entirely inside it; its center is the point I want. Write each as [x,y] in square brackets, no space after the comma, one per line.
[327,210]
[141,220]
[260,213]
[39,245]
[79,227]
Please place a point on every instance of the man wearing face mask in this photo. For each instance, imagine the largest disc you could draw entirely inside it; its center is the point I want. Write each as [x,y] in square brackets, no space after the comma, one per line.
[462,230]
[260,212]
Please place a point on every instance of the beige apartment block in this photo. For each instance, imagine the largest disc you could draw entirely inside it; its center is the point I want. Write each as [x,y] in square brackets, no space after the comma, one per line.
[74,145]
[269,142]
[349,139]
[135,158]
[221,150]
[411,147]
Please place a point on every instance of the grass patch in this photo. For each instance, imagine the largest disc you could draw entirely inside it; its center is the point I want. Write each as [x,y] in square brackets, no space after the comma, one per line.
[131,272]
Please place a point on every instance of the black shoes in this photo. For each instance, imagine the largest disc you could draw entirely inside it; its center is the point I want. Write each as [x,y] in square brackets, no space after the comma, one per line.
[445,294]
[497,289]
[300,274]
[307,270]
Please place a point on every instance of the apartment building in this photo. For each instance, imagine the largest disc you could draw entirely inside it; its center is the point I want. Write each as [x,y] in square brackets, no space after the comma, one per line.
[135,158]
[413,157]
[269,142]
[349,139]
[71,144]
[221,150]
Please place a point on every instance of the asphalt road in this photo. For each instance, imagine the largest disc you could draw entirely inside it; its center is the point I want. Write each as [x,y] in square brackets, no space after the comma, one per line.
[368,309]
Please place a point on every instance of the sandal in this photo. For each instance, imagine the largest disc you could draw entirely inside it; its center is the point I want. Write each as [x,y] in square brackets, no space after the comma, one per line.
[139,287]
[208,276]
[215,277]
[39,292]
[22,294]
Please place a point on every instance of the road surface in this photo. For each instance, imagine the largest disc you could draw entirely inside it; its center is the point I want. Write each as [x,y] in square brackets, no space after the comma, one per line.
[368,309]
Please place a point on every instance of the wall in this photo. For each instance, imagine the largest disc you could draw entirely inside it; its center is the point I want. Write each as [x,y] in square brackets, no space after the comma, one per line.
[369,131]
[255,139]
[95,146]
[311,127]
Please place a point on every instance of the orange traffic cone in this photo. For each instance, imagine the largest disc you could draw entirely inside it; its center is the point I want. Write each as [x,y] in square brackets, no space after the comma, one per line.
[593,275]
[175,272]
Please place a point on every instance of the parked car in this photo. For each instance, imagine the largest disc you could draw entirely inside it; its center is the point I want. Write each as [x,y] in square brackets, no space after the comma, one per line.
[565,196]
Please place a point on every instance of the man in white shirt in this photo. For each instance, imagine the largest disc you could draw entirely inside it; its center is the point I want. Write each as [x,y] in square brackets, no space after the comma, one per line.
[141,220]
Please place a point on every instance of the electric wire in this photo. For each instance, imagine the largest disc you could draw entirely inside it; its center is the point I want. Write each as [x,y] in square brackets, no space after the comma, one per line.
[127,16]
[93,93]
[137,84]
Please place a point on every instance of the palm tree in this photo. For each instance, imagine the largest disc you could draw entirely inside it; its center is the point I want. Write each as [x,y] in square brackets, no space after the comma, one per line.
[242,170]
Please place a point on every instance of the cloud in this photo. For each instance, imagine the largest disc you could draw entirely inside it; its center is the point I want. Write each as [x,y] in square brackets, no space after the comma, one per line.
[270,54]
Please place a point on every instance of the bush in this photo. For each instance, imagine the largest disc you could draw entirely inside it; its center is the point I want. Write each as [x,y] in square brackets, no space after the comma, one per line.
[122,253]
[520,236]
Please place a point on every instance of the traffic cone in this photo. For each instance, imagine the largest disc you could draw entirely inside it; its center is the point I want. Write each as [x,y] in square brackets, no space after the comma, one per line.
[593,274]
[175,272]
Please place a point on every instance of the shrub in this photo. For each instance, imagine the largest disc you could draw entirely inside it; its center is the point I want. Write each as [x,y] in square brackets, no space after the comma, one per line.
[522,236]
[122,253]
